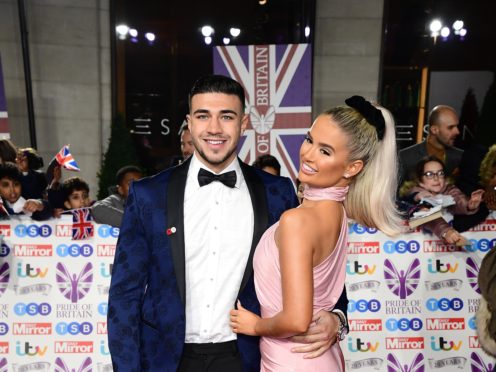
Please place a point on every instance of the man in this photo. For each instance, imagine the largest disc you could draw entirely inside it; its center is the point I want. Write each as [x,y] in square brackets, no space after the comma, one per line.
[187,147]
[443,130]
[185,250]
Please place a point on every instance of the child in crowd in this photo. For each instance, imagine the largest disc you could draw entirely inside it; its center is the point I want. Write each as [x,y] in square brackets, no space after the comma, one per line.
[111,209]
[11,196]
[487,174]
[76,193]
[431,182]
[73,193]
[33,180]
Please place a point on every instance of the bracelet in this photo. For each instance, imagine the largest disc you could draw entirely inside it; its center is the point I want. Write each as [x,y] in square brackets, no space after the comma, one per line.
[342,326]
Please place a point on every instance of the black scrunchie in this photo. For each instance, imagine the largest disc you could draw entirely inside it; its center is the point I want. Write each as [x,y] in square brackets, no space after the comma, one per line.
[372,114]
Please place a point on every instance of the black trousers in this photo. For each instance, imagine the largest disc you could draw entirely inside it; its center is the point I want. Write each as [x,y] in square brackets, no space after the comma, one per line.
[214,357]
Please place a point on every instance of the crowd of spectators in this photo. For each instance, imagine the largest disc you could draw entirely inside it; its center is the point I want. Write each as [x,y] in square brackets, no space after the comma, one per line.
[468,177]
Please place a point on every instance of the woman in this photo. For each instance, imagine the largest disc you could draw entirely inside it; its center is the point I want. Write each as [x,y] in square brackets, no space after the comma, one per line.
[431,181]
[349,168]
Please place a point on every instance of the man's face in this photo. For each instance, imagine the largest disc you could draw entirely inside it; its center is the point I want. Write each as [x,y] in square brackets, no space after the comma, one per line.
[187,146]
[77,199]
[216,121]
[446,129]
[10,190]
[123,187]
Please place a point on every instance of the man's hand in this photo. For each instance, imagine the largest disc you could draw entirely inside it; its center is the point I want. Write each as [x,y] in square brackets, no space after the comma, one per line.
[319,337]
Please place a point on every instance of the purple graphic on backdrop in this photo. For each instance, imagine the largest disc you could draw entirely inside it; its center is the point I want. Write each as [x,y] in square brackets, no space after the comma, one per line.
[402,283]
[60,366]
[472,274]
[417,365]
[74,288]
[278,85]
[4,124]
[3,365]
[478,365]
[4,277]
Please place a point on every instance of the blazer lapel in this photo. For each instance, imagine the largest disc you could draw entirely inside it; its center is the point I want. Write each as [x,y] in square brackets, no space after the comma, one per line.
[260,213]
[175,218]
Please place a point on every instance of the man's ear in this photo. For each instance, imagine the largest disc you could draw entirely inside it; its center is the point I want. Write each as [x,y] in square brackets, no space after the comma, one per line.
[119,190]
[353,168]
[434,129]
[244,122]
[188,120]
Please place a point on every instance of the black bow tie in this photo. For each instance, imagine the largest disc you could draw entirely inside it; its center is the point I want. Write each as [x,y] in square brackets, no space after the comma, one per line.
[205,177]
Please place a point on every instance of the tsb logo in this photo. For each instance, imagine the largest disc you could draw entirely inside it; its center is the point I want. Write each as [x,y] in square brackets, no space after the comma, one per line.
[33,231]
[401,246]
[404,324]
[74,328]
[4,250]
[32,309]
[358,345]
[363,306]
[74,250]
[444,304]
[103,308]
[106,231]
[359,229]
[4,329]
[482,245]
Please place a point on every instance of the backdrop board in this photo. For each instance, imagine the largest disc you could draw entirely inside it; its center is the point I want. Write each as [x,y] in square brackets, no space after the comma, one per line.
[412,299]
[278,86]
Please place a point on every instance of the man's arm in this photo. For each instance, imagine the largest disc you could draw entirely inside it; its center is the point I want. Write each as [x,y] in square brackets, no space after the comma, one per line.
[107,211]
[129,278]
[323,331]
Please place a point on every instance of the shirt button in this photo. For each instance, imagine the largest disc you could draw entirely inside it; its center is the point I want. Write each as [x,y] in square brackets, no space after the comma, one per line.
[216,202]
[204,331]
[208,305]
[211,279]
[213,253]
[215,227]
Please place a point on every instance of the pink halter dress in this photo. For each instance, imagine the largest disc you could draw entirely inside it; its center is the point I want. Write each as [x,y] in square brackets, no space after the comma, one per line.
[328,283]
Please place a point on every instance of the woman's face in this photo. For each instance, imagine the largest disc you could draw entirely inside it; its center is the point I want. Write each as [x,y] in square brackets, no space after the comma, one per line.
[433,178]
[324,155]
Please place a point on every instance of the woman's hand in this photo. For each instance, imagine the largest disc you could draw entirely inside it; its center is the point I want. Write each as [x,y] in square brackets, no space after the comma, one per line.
[243,321]
[451,236]
[422,194]
[33,205]
[475,199]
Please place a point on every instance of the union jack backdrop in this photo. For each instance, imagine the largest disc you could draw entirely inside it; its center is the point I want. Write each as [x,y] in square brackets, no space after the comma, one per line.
[65,159]
[82,227]
[278,85]
[4,122]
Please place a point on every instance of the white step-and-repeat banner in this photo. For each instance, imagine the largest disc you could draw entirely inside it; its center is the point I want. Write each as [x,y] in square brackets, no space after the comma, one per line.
[412,299]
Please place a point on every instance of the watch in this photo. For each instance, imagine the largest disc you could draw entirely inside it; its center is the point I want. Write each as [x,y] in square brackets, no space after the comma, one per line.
[342,326]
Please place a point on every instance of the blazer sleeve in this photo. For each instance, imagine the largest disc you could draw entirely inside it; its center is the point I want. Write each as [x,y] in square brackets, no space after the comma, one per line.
[127,288]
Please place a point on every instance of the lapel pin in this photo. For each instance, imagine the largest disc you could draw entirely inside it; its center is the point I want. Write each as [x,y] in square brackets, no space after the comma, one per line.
[171,230]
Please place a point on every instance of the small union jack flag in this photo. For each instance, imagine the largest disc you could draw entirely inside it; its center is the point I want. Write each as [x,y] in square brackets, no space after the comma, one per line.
[82,228]
[65,159]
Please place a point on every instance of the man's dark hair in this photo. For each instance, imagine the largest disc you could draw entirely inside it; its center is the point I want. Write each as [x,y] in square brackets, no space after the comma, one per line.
[217,84]
[267,161]
[121,173]
[419,171]
[74,184]
[10,170]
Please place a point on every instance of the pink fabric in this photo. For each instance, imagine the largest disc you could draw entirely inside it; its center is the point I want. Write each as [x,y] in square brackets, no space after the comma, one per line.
[330,193]
[329,277]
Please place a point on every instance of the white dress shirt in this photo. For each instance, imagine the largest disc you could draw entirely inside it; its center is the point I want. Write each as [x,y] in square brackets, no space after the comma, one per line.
[218,233]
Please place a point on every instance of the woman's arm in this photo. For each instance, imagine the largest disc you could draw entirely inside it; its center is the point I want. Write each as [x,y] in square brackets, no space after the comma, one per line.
[294,240]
